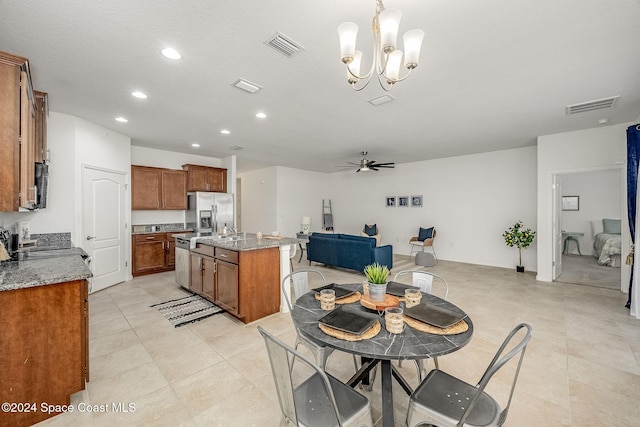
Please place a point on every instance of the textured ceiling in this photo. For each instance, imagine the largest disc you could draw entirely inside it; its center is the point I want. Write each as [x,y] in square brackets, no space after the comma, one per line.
[493,75]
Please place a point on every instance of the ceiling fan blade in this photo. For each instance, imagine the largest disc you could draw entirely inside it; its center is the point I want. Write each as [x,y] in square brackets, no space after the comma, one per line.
[373,168]
[351,163]
[384,164]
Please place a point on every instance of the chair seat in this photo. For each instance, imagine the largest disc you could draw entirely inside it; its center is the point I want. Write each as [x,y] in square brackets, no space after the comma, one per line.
[313,406]
[449,396]
[416,243]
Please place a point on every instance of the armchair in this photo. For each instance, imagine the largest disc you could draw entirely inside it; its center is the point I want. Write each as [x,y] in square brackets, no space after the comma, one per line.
[423,240]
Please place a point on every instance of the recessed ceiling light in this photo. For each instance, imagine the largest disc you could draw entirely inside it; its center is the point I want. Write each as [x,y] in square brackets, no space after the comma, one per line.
[225,131]
[121,119]
[261,115]
[195,145]
[171,53]
[139,94]
[603,121]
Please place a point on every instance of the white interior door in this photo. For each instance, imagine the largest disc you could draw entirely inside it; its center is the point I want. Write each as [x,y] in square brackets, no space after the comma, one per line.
[104,226]
[557,228]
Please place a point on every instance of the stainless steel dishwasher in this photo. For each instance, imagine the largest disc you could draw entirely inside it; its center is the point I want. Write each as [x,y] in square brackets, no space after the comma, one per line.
[183,262]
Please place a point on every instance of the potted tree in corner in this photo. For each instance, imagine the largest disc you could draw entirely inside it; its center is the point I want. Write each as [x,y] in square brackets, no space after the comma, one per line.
[519,237]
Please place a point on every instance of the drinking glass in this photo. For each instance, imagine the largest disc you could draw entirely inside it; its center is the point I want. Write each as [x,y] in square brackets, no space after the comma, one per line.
[327,299]
[412,297]
[394,322]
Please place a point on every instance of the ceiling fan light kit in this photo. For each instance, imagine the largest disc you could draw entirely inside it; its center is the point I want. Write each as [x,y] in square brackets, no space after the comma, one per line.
[371,165]
[387,59]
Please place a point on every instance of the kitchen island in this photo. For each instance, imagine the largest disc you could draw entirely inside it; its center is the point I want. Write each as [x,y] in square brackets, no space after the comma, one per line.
[239,273]
[44,334]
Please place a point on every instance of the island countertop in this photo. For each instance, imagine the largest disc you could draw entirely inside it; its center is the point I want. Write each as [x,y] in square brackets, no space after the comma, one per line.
[248,243]
[42,271]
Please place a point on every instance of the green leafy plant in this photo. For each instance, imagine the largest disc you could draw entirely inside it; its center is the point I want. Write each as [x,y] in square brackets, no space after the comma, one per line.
[519,237]
[376,273]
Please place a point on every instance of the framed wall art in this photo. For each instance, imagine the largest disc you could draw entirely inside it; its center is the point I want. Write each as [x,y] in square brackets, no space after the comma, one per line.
[570,203]
[403,201]
[390,202]
[416,201]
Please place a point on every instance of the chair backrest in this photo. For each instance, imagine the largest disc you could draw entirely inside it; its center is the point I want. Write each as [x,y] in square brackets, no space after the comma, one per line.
[293,250]
[281,357]
[424,280]
[498,362]
[297,284]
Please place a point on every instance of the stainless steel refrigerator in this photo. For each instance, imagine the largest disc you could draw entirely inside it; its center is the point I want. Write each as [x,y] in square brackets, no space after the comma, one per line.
[209,212]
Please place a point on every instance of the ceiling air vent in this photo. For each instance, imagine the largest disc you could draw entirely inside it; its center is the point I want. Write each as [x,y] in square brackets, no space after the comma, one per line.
[381,100]
[284,44]
[246,85]
[598,104]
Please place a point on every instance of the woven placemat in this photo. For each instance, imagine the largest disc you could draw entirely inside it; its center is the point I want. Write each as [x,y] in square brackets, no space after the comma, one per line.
[355,297]
[336,333]
[456,328]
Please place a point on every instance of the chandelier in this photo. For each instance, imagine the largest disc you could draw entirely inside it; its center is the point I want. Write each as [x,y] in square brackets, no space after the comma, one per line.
[386,58]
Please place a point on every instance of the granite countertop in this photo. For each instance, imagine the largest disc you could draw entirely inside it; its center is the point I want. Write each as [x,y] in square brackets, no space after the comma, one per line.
[43,270]
[251,242]
[160,228]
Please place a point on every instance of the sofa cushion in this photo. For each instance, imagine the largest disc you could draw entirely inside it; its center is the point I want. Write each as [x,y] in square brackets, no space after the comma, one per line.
[371,241]
[371,230]
[425,233]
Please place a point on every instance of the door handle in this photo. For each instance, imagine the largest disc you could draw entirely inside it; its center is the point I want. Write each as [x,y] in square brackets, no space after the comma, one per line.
[91,237]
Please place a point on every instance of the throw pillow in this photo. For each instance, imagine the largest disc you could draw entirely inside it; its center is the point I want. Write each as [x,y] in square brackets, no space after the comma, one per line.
[425,233]
[611,226]
[371,230]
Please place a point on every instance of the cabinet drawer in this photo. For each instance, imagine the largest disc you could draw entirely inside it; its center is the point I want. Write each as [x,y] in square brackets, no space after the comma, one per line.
[227,255]
[140,238]
[203,250]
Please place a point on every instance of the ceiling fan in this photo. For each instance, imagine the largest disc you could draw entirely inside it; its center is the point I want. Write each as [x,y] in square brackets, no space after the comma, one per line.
[370,165]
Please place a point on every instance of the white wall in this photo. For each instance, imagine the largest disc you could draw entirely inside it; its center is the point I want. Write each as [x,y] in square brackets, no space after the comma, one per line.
[73,142]
[470,200]
[143,156]
[260,200]
[600,197]
[595,149]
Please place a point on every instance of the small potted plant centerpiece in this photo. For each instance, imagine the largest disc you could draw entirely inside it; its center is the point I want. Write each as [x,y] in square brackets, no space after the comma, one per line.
[519,237]
[377,277]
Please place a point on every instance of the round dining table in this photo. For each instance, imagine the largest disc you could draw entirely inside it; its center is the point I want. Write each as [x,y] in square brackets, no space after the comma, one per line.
[411,344]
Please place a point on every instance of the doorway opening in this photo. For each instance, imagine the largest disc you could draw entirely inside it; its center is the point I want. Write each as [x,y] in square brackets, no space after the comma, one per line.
[589,256]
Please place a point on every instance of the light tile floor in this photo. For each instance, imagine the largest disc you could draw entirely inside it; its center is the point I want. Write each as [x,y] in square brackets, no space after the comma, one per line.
[581,368]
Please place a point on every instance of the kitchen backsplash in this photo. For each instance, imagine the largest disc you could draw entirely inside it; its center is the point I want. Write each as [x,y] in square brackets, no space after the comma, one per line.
[150,228]
[57,240]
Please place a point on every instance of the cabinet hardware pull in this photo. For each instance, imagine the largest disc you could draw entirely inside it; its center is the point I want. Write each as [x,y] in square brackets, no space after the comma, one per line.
[224,255]
[150,238]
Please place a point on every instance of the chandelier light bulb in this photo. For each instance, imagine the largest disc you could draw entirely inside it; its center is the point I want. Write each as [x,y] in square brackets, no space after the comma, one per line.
[354,68]
[412,43]
[348,32]
[393,66]
[389,21]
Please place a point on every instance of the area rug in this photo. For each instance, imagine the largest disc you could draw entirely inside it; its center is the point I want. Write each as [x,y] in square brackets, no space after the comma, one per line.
[187,310]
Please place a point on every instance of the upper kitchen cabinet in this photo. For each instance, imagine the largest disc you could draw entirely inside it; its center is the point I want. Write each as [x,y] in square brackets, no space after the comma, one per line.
[205,178]
[157,188]
[21,125]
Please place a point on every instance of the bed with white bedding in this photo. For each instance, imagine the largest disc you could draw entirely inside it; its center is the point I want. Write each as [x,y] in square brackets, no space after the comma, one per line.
[607,242]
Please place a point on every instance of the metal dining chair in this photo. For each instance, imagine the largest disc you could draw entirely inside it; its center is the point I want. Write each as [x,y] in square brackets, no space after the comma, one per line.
[316,400]
[424,280]
[447,401]
[298,283]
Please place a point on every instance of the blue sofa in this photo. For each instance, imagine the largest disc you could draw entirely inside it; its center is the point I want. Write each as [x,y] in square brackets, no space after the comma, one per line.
[347,251]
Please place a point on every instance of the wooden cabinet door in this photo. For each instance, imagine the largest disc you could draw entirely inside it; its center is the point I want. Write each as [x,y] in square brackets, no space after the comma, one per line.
[174,189]
[171,251]
[149,252]
[9,136]
[41,126]
[196,274]
[217,179]
[209,277]
[145,188]
[196,177]
[227,286]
